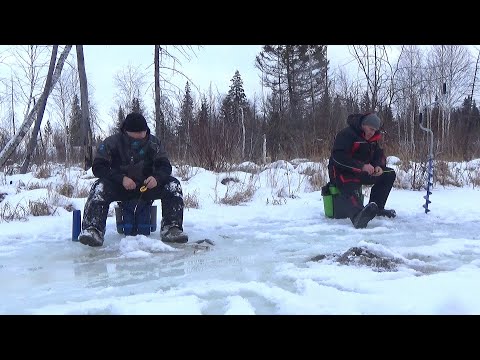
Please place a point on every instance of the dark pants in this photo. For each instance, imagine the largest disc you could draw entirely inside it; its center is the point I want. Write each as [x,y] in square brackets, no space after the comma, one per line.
[350,185]
[104,192]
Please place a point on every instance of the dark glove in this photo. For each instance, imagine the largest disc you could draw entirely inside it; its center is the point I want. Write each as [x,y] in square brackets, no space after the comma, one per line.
[161,178]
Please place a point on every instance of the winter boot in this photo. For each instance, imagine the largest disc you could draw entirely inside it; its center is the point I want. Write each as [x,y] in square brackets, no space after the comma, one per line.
[173,234]
[361,220]
[390,213]
[91,236]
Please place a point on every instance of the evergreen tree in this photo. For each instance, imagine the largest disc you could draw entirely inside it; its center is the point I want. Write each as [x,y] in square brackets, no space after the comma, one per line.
[203,114]
[236,92]
[48,132]
[186,116]
[137,106]
[235,99]
[120,118]
[74,122]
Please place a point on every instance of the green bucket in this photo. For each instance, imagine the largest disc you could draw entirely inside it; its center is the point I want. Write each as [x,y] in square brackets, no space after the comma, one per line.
[328,201]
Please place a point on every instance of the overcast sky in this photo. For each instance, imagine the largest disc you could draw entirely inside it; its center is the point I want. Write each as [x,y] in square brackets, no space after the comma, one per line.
[210,65]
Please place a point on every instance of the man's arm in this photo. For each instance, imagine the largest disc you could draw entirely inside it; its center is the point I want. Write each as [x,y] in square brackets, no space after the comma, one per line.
[342,152]
[379,158]
[101,167]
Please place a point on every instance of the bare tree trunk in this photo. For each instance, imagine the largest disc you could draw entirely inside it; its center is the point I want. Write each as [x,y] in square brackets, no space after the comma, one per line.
[43,103]
[264,152]
[243,133]
[159,117]
[469,118]
[67,148]
[85,128]
[13,111]
[22,131]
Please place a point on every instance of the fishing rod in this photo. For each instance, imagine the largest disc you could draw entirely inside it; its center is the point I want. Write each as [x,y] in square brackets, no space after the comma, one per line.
[142,190]
[429,131]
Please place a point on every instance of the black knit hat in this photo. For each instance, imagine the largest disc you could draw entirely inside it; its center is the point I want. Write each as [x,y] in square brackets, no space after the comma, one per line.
[135,122]
[371,119]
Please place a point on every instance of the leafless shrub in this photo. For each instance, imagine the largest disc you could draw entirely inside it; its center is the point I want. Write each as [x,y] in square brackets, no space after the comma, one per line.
[20,185]
[186,172]
[317,180]
[317,174]
[65,189]
[40,208]
[72,189]
[3,178]
[246,167]
[191,201]
[43,172]
[445,176]
[56,199]
[279,201]
[81,191]
[283,192]
[474,178]
[9,213]
[418,175]
[272,177]
[33,186]
[239,196]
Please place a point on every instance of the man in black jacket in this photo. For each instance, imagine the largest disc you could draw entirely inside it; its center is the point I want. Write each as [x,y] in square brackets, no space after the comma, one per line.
[357,159]
[123,163]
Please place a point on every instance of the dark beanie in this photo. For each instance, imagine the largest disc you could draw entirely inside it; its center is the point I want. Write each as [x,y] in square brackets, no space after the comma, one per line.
[371,120]
[135,122]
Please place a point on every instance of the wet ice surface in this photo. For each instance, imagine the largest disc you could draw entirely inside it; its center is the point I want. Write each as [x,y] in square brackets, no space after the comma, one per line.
[259,265]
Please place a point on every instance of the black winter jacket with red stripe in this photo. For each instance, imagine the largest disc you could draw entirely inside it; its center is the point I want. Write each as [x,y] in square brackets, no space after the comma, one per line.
[351,150]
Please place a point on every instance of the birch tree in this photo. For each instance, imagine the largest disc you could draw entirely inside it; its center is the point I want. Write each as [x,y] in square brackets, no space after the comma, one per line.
[42,104]
[27,123]
[86,128]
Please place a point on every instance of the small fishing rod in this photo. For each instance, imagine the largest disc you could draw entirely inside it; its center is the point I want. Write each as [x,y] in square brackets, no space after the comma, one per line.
[142,190]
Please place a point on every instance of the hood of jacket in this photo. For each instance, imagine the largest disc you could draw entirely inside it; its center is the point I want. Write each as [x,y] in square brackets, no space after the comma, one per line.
[355,122]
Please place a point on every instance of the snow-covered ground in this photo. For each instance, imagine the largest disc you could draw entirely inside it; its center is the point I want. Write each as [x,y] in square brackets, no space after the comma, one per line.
[262,259]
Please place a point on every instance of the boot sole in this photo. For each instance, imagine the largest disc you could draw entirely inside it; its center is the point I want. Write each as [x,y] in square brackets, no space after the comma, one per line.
[176,240]
[390,215]
[88,240]
[367,214]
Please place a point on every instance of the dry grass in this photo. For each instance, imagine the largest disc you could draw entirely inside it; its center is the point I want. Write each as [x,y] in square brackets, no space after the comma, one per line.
[474,178]
[242,195]
[72,189]
[279,201]
[317,180]
[186,172]
[40,208]
[42,172]
[248,168]
[34,185]
[81,192]
[9,213]
[191,201]
[446,176]
[66,189]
